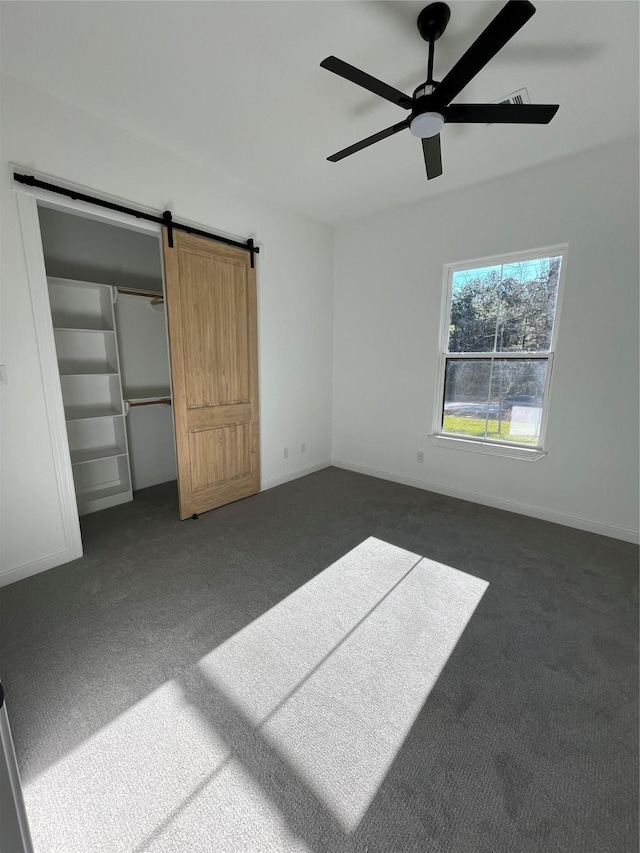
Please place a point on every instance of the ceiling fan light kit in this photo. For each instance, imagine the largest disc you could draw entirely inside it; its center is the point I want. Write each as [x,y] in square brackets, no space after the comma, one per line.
[430,105]
[426,125]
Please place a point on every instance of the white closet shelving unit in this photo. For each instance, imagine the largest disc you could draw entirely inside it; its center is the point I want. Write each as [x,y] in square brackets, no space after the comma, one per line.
[85,334]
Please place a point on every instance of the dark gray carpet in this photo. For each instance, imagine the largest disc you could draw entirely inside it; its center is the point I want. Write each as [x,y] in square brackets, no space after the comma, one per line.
[528,741]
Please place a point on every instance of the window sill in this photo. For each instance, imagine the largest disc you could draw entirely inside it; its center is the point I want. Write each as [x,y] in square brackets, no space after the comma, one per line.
[529,454]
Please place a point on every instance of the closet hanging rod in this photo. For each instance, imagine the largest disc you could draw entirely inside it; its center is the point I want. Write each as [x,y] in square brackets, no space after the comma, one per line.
[145,293]
[166,219]
[163,402]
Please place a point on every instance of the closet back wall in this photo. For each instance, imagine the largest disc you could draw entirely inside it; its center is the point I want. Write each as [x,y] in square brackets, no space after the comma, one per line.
[144,365]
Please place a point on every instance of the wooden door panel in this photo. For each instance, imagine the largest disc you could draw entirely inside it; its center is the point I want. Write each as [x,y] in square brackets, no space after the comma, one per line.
[210,417]
[224,494]
[217,315]
[219,455]
[212,319]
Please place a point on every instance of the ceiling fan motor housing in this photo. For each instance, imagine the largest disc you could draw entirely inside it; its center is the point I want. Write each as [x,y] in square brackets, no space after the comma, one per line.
[425,121]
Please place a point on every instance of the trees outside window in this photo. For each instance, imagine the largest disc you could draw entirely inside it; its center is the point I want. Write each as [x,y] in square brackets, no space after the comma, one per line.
[498,347]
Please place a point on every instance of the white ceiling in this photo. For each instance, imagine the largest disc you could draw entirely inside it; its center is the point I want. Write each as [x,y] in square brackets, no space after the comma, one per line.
[237,86]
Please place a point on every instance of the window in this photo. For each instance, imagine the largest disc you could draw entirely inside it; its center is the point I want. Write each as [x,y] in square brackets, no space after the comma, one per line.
[498,340]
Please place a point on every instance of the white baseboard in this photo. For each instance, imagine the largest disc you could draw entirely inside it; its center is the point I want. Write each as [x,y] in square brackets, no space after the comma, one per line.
[626,534]
[271,482]
[42,565]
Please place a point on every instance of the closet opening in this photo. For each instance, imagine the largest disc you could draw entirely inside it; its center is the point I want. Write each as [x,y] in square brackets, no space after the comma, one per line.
[107,299]
[135,398]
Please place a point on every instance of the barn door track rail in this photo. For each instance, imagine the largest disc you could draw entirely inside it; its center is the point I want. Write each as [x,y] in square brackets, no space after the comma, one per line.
[166,219]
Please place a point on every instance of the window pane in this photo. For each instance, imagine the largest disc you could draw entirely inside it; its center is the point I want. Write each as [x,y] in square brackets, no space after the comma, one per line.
[475,308]
[466,396]
[503,403]
[508,308]
[517,395]
[529,291]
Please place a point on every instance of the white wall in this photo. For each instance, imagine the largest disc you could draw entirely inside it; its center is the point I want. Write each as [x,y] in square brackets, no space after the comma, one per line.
[294,304]
[388,290]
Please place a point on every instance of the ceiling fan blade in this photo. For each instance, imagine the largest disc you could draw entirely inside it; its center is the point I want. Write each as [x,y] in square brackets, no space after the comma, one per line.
[354,75]
[504,26]
[500,113]
[432,156]
[364,143]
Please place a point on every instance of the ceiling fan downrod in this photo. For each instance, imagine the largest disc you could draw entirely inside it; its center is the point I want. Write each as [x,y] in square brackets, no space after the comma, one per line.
[432,22]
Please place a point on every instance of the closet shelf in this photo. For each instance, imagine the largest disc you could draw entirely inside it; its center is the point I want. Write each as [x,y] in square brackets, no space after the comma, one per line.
[95,495]
[78,457]
[83,329]
[85,368]
[80,413]
[57,282]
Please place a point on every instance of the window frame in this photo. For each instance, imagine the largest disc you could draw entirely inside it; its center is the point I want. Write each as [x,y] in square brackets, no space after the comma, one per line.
[484,445]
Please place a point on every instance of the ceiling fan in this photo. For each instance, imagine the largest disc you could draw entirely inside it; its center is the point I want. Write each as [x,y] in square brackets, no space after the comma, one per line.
[430,105]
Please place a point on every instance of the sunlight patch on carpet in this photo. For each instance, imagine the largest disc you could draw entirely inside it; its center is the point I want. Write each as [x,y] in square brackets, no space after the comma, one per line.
[335,675]
[281,735]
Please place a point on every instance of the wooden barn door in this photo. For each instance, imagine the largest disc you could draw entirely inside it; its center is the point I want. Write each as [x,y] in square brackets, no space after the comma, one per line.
[212,320]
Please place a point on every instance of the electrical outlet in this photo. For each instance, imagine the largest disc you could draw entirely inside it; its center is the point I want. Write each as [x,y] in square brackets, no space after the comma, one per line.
[420,456]
[285,453]
[303,447]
